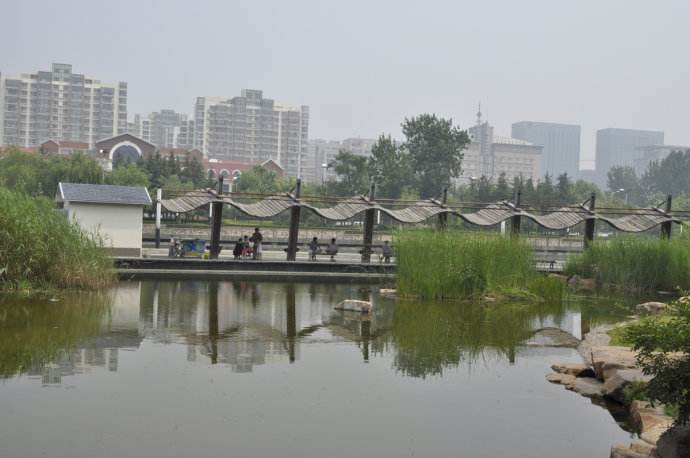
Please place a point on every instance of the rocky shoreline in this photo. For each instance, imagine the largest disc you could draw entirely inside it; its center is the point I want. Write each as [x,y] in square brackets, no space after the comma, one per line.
[605,373]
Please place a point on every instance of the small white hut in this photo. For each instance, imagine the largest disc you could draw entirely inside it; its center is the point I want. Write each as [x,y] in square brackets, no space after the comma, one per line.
[115,212]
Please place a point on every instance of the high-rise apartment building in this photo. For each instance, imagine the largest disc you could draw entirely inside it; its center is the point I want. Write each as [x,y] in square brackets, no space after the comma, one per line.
[561,143]
[60,105]
[618,146]
[252,128]
[322,153]
[161,128]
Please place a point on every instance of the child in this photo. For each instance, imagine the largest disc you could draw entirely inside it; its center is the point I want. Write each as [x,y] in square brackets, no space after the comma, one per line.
[387,252]
[332,249]
[237,251]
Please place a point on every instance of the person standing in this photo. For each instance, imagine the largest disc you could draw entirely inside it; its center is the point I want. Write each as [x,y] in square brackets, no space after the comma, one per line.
[387,252]
[313,248]
[257,240]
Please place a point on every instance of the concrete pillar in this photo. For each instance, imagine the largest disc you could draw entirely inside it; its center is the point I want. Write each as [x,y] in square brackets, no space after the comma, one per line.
[369,226]
[666,227]
[443,217]
[216,222]
[590,224]
[159,197]
[294,224]
[515,220]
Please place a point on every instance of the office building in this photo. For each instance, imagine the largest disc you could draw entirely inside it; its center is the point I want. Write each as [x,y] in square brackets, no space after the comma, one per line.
[560,142]
[619,147]
[252,128]
[60,105]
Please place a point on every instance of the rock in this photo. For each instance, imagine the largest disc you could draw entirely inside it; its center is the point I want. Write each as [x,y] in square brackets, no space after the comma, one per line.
[675,443]
[578,370]
[626,451]
[553,337]
[578,283]
[562,379]
[606,360]
[615,385]
[650,308]
[642,447]
[650,421]
[586,386]
[354,306]
[596,337]
[562,278]
[388,291]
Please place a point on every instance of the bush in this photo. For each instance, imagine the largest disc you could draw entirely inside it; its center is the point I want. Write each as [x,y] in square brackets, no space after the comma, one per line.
[637,264]
[663,344]
[457,265]
[40,248]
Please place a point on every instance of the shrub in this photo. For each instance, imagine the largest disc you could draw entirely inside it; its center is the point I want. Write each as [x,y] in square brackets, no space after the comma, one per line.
[39,247]
[663,344]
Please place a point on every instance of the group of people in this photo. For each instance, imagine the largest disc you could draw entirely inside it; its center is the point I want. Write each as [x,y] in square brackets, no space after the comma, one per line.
[249,247]
[314,249]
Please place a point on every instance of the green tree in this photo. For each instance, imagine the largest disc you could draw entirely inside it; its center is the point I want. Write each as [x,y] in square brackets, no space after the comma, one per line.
[193,171]
[670,175]
[564,190]
[257,180]
[582,190]
[128,175]
[390,164]
[502,191]
[625,185]
[663,345]
[352,174]
[435,147]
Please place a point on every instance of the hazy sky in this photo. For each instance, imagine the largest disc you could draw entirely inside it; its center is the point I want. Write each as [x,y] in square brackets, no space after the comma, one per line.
[362,66]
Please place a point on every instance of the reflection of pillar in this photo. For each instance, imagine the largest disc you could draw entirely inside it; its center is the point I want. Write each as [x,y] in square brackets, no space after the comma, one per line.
[112,359]
[213,320]
[365,327]
[511,354]
[291,320]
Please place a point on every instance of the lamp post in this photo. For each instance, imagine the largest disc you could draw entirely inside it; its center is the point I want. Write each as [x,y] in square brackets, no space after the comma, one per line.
[625,196]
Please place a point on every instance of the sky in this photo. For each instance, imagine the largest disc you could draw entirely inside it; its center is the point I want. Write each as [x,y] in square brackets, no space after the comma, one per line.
[363,66]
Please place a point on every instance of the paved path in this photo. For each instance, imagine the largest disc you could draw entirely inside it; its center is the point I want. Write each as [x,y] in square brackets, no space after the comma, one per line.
[278,255]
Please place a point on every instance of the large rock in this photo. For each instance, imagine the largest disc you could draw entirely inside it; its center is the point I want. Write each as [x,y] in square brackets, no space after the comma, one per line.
[650,308]
[675,443]
[586,386]
[576,369]
[606,360]
[578,283]
[553,337]
[650,421]
[615,385]
[596,337]
[630,451]
[561,379]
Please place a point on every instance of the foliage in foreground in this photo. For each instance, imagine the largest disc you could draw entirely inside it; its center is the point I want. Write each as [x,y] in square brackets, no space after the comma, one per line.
[458,265]
[663,345]
[39,247]
[637,264]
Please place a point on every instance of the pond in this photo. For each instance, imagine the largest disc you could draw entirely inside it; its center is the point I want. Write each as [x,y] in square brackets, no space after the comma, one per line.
[208,369]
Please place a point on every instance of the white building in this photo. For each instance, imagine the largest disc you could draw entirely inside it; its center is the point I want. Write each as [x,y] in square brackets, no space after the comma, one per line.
[114,213]
[322,153]
[490,156]
[251,128]
[60,105]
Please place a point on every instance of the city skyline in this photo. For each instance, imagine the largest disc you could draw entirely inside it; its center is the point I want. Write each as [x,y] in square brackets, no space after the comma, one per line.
[363,74]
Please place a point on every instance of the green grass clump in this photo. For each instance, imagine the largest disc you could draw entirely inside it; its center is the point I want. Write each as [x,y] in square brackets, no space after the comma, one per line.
[460,265]
[636,264]
[39,248]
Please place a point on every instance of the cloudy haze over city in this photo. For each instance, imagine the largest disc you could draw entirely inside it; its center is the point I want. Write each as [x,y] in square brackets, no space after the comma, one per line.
[361,67]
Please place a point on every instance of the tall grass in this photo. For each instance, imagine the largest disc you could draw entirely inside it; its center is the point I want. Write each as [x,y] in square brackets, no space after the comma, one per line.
[40,248]
[458,265]
[636,264]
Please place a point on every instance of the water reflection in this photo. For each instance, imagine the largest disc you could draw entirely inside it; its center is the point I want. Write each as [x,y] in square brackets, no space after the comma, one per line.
[244,325]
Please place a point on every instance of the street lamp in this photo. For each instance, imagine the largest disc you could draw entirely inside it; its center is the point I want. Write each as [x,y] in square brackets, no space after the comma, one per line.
[325,167]
[624,191]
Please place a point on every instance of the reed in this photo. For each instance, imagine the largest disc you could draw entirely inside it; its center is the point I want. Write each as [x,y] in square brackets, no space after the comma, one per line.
[39,248]
[459,265]
[636,264]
